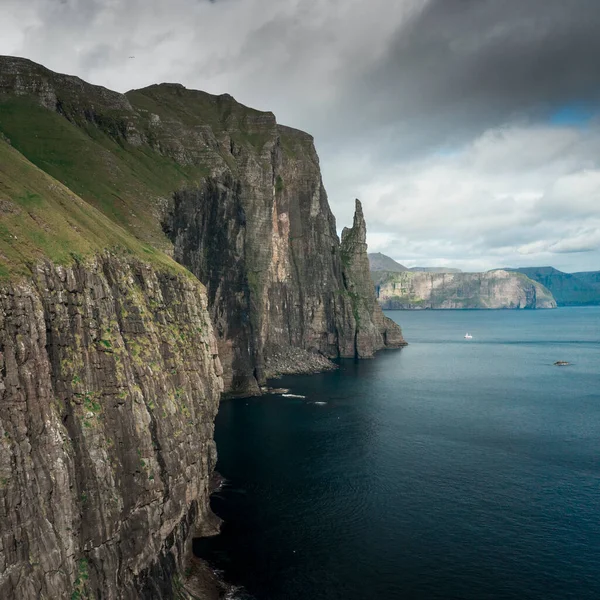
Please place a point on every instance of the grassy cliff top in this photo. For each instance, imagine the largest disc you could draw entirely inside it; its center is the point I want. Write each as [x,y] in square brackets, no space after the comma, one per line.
[125,182]
[41,218]
[194,106]
[126,154]
[119,158]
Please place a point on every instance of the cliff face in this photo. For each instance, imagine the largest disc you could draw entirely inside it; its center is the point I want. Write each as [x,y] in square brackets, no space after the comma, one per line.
[373,329]
[109,368]
[258,231]
[109,384]
[494,289]
[239,197]
[276,274]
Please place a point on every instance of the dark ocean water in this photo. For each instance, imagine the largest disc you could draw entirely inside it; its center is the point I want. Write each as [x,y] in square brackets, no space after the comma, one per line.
[450,469]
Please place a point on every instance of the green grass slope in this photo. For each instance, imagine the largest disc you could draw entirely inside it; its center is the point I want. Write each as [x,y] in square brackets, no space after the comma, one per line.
[126,154]
[569,289]
[124,182]
[41,218]
[122,154]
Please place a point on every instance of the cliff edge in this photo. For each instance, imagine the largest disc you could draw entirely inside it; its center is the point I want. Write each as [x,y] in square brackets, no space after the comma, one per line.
[115,210]
[231,194]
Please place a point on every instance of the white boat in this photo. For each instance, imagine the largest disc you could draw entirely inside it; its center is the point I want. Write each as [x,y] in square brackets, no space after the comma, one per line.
[468,336]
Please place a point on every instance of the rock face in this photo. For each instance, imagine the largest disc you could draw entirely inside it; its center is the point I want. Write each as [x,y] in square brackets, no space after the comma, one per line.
[373,329]
[109,370]
[276,274]
[239,197]
[494,289]
[109,384]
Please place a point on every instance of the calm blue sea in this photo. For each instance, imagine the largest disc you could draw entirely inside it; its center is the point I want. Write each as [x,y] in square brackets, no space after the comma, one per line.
[451,469]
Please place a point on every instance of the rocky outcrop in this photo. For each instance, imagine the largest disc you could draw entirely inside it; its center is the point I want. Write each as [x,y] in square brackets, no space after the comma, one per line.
[494,289]
[239,197]
[373,329]
[263,240]
[109,385]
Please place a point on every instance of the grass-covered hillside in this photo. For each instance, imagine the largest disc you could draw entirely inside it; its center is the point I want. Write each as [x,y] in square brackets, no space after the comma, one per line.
[569,289]
[126,154]
[125,182]
[41,218]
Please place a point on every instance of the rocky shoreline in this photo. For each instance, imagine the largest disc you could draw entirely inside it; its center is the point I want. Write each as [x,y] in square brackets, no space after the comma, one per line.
[296,361]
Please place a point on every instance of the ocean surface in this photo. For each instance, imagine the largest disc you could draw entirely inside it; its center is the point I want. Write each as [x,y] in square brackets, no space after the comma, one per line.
[451,469]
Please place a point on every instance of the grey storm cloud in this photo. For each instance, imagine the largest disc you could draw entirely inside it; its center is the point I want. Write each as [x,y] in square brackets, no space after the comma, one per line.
[460,66]
[440,114]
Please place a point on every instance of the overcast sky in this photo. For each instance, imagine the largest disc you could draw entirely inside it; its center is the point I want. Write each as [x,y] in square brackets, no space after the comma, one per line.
[470,129]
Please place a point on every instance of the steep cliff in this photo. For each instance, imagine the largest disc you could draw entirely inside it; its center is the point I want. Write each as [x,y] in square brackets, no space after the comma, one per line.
[373,329]
[494,289]
[109,370]
[276,275]
[109,385]
[235,197]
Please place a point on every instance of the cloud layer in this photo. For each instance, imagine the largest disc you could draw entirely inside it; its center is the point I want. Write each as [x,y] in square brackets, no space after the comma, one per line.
[494,203]
[468,127]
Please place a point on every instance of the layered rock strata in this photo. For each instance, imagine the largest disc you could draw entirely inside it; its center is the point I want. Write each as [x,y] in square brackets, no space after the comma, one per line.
[110,374]
[109,385]
[373,329]
[276,274]
[239,196]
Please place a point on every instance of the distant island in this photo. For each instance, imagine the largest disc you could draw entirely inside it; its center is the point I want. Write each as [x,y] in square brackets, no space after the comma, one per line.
[399,288]
[569,289]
